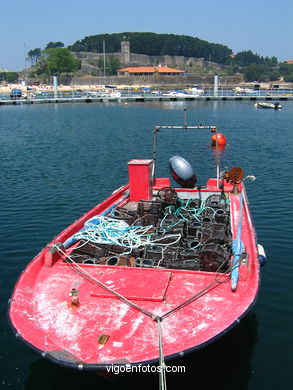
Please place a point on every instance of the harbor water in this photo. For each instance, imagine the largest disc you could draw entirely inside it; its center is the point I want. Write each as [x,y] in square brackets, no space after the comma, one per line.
[58,161]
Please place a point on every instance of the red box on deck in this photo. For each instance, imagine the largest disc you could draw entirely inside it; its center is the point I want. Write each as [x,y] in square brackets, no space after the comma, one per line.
[140,179]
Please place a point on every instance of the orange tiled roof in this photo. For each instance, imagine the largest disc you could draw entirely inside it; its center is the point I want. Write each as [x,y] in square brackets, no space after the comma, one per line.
[150,69]
[289,62]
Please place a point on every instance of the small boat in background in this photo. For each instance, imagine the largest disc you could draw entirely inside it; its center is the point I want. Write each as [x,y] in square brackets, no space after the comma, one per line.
[196,90]
[15,93]
[103,93]
[274,106]
[245,91]
[182,94]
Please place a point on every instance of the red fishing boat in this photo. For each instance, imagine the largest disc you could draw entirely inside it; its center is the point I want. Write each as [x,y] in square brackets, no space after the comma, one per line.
[151,273]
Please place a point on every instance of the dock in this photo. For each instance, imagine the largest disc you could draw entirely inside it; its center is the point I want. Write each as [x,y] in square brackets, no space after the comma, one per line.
[142,98]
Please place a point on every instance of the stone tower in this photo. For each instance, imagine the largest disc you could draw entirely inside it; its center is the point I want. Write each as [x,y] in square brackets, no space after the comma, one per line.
[125,52]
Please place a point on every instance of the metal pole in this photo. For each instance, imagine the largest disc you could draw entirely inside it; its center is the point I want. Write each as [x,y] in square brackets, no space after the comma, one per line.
[217,160]
[156,130]
[55,83]
[104,54]
[24,56]
[216,84]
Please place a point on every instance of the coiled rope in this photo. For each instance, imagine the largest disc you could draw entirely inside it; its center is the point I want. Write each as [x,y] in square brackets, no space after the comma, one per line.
[106,230]
[183,208]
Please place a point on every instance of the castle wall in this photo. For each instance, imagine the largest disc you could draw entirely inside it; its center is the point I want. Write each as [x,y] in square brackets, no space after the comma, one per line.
[90,61]
[161,82]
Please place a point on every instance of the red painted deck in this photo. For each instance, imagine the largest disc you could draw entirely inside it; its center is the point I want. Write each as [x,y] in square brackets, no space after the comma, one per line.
[42,315]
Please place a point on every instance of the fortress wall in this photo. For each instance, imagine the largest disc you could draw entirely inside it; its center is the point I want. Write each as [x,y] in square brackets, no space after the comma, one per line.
[92,59]
[158,81]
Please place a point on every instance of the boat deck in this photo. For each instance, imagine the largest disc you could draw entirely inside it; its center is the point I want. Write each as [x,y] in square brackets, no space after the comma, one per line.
[71,311]
[53,325]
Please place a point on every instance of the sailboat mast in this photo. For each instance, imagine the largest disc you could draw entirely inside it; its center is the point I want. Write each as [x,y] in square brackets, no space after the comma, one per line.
[104,57]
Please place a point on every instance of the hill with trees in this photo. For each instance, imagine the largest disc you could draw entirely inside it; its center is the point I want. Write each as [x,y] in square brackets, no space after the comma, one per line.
[153,44]
[56,59]
[251,65]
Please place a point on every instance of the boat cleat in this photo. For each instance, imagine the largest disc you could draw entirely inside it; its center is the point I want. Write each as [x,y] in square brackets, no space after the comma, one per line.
[74,298]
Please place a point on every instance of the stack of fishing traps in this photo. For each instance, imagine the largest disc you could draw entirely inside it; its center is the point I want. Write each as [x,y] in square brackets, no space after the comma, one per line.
[191,234]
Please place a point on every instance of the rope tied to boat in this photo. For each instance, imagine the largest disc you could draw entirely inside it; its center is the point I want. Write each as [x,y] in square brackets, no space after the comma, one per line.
[163,381]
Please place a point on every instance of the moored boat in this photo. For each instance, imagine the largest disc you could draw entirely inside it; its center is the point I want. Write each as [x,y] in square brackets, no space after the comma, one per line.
[191,93]
[274,106]
[153,271]
[103,93]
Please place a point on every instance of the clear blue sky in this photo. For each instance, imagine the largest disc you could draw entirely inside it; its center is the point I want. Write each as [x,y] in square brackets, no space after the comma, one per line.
[263,26]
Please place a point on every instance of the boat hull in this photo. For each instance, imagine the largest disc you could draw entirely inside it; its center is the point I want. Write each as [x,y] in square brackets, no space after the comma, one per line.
[114,318]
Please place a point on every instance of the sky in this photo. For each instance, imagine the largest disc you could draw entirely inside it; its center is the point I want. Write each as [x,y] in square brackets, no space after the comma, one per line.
[263,26]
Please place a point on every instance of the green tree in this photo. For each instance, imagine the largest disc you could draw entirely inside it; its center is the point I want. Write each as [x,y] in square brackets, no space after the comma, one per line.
[257,72]
[286,71]
[54,45]
[274,75]
[244,58]
[10,77]
[56,61]
[288,77]
[34,55]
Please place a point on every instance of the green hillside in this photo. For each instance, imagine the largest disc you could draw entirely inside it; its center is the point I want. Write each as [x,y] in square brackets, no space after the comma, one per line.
[155,44]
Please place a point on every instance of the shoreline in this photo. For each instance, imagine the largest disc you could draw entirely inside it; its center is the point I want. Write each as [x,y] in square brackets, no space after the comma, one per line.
[49,88]
[6,88]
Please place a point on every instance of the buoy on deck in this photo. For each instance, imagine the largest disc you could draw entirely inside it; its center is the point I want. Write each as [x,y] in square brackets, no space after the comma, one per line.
[182,172]
[220,138]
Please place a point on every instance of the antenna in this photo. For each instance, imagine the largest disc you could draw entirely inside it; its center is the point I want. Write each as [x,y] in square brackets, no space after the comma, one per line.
[104,57]
[24,45]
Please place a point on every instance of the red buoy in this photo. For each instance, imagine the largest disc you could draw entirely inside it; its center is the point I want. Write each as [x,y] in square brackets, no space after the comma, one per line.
[221,139]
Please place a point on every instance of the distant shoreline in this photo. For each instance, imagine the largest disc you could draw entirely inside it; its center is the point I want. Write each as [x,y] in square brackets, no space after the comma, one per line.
[48,88]
[96,87]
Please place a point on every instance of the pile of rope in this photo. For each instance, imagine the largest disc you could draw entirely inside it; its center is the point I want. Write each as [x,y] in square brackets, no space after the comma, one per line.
[107,230]
[163,233]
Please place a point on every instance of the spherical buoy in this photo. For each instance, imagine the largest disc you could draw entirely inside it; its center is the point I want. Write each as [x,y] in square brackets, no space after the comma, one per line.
[182,172]
[220,138]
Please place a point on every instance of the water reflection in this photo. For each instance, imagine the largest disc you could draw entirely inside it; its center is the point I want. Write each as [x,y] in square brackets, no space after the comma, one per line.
[224,364]
[221,149]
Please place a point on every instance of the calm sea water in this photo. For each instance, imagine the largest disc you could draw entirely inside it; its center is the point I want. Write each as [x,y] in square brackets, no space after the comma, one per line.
[58,161]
